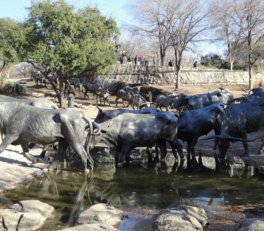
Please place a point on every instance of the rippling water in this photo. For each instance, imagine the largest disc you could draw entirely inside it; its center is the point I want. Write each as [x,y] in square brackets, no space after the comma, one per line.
[137,189]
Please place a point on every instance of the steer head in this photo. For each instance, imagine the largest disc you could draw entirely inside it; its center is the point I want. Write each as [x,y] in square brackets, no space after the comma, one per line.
[180,101]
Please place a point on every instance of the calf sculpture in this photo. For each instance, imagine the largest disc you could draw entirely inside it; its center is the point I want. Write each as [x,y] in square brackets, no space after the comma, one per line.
[24,124]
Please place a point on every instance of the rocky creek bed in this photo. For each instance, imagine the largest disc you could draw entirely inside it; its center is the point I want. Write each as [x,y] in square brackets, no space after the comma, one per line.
[39,213]
[27,212]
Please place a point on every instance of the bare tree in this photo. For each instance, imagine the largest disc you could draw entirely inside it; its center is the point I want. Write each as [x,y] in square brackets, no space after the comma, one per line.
[253,31]
[241,25]
[152,21]
[186,20]
[228,22]
[138,46]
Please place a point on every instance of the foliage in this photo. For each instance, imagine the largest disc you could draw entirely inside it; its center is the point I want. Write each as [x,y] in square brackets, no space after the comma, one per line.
[214,60]
[12,38]
[9,88]
[70,42]
[66,42]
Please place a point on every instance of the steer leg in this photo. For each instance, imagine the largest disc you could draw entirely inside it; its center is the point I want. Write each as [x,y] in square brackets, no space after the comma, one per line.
[191,152]
[71,136]
[8,139]
[163,150]
[245,144]
[176,144]
[123,155]
[26,154]
[116,101]
[58,158]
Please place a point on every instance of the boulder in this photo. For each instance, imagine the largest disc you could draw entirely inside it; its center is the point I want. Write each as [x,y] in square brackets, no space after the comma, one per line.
[252,224]
[101,214]
[186,218]
[25,215]
[93,227]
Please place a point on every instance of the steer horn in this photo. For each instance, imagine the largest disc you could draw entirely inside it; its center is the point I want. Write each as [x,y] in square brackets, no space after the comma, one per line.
[97,129]
[227,137]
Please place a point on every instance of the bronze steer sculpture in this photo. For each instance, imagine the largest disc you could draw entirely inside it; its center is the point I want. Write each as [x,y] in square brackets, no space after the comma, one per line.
[239,119]
[32,102]
[126,131]
[197,101]
[24,124]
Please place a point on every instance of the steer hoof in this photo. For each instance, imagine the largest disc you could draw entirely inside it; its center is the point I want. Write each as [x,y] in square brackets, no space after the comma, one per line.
[55,165]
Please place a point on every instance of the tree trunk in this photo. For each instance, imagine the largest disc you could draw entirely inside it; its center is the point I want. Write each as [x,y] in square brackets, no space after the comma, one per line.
[60,92]
[177,68]
[230,57]
[249,40]
[2,68]
[250,75]
[178,78]
[231,65]
[162,56]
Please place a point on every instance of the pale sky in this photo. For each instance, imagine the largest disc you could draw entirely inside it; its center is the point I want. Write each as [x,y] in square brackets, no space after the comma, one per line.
[117,9]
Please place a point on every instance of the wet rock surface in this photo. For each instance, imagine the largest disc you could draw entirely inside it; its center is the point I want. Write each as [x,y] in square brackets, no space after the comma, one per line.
[252,224]
[93,227]
[25,215]
[15,168]
[102,214]
[186,218]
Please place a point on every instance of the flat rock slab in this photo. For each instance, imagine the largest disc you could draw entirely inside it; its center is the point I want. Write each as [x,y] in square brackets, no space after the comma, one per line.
[26,215]
[101,214]
[187,218]
[252,224]
[92,227]
[15,168]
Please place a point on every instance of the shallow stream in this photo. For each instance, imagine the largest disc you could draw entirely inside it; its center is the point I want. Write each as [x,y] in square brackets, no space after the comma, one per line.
[140,192]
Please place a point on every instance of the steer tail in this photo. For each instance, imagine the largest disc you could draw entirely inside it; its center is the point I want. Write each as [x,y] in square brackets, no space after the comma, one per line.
[227,137]
[88,141]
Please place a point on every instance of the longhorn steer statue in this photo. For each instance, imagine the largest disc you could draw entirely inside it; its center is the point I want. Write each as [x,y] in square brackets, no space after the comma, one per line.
[195,123]
[255,95]
[40,103]
[128,130]
[239,119]
[103,116]
[221,95]
[24,124]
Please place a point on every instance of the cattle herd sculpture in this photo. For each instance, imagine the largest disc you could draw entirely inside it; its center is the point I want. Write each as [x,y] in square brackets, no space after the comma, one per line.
[187,117]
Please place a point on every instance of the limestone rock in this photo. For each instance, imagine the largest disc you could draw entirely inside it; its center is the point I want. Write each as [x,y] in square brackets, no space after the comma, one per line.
[93,227]
[187,218]
[252,224]
[26,215]
[102,214]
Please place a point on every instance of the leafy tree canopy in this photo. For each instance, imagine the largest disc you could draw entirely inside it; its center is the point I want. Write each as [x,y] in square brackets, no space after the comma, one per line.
[12,37]
[68,41]
[214,60]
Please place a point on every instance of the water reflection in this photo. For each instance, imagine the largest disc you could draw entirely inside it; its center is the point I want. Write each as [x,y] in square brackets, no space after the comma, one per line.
[137,187]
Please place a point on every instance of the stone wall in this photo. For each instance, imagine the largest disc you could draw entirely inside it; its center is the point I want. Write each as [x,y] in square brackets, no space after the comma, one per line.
[188,77]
